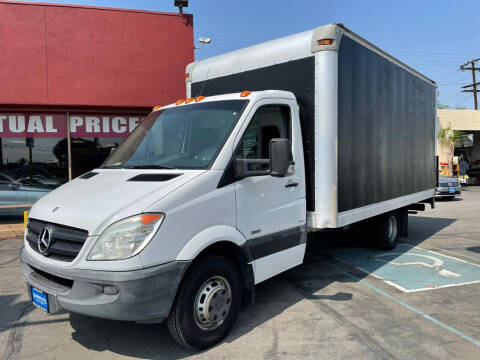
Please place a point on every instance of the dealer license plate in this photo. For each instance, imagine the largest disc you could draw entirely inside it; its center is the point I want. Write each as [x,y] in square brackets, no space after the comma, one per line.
[452,191]
[40,299]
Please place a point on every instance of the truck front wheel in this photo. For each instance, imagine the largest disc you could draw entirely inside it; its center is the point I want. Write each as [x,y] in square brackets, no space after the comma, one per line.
[387,227]
[207,303]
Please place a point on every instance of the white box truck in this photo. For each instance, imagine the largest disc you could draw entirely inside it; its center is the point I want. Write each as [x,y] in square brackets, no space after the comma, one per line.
[216,193]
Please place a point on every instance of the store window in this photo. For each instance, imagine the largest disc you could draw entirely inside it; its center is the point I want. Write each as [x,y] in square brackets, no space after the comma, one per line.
[89,153]
[30,168]
[34,151]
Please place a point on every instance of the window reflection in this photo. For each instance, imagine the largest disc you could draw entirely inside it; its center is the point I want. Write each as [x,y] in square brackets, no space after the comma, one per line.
[90,153]
[29,168]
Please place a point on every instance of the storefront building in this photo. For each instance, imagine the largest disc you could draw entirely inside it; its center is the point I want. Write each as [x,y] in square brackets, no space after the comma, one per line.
[76,80]
[468,122]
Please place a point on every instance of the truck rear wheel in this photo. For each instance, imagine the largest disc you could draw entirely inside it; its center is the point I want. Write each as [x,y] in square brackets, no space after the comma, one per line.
[207,303]
[387,227]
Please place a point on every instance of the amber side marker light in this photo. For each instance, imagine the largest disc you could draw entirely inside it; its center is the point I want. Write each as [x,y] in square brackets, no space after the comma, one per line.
[189,100]
[180,101]
[157,107]
[199,98]
[245,93]
[325,42]
[147,219]
[187,76]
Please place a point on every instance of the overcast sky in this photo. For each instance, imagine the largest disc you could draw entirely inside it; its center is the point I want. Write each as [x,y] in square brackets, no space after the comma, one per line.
[433,36]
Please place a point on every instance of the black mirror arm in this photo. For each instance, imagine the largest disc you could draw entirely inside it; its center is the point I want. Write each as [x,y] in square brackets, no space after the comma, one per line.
[241,168]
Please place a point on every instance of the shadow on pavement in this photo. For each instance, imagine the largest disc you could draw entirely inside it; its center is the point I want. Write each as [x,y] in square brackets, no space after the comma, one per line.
[422,227]
[273,297]
[446,199]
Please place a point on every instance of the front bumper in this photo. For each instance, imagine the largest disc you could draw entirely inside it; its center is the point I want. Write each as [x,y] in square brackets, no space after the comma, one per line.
[444,191]
[137,295]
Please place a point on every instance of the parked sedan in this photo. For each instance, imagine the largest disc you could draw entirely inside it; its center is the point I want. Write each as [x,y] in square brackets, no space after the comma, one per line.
[448,188]
[13,192]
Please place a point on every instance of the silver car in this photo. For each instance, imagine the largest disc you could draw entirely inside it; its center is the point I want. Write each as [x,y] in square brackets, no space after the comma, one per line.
[448,187]
[14,194]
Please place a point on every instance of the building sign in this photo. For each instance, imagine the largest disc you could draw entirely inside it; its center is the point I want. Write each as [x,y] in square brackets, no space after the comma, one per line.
[33,125]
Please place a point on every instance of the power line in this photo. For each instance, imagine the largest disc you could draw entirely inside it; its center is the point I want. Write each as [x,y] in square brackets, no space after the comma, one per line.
[474,84]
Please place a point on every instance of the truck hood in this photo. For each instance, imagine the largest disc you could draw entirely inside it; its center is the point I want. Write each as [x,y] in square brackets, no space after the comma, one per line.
[108,196]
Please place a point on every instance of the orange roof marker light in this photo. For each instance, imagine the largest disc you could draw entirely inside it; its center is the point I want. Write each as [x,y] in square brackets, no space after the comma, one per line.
[325,42]
[245,93]
[180,101]
[199,98]
[157,107]
[189,100]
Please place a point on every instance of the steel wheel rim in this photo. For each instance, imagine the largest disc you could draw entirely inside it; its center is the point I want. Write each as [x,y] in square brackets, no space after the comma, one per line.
[212,303]
[392,228]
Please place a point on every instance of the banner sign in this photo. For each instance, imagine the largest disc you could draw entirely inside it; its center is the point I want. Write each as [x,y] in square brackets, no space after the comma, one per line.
[34,125]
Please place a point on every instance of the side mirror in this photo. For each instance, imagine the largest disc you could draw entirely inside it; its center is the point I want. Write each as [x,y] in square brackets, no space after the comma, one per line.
[280,160]
[281,157]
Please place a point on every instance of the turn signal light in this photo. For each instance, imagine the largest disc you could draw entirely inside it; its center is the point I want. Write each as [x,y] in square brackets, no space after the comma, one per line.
[157,107]
[325,42]
[189,100]
[147,219]
[199,98]
[180,101]
[187,75]
[245,93]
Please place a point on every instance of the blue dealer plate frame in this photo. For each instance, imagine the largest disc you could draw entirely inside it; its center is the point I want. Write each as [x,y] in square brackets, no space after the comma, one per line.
[40,299]
[452,191]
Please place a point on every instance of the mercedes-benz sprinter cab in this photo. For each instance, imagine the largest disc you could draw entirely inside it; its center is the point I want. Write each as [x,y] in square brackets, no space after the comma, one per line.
[117,242]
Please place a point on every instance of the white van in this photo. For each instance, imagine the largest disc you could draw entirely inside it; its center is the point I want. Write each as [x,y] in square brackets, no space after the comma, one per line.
[215,193]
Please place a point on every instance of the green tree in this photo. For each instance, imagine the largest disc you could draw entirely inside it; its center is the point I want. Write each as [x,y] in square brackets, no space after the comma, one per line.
[442,106]
[450,138]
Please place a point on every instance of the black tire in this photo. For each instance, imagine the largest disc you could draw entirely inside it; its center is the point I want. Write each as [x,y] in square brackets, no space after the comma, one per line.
[184,321]
[387,228]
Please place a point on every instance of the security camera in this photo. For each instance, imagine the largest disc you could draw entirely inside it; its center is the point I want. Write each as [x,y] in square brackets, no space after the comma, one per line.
[180,4]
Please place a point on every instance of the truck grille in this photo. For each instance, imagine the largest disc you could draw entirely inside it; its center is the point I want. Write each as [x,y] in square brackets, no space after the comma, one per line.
[65,244]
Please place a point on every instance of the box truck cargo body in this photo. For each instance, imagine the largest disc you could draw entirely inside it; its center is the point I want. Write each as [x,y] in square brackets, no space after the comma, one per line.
[216,193]
[368,120]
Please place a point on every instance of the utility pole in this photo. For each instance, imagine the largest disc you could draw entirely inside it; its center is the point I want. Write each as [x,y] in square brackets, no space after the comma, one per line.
[474,84]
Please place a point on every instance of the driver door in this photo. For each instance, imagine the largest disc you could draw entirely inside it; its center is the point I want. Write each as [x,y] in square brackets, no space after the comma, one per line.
[271,210]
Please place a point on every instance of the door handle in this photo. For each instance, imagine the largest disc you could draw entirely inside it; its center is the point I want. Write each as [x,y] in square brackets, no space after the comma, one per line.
[291,184]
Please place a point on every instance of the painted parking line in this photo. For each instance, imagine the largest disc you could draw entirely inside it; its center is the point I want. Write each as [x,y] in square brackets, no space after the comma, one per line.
[410,268]
[412,308]
[458,254]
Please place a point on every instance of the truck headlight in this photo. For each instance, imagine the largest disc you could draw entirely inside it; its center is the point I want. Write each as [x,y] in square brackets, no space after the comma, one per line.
[126,237]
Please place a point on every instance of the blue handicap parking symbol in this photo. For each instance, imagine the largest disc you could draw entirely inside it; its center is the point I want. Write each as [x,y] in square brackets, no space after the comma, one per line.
[410,268]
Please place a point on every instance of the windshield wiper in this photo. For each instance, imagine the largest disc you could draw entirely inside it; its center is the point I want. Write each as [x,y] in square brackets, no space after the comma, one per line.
[111,167]
[149,167]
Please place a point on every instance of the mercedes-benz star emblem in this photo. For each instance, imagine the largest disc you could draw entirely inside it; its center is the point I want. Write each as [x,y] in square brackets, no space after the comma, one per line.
[44,240]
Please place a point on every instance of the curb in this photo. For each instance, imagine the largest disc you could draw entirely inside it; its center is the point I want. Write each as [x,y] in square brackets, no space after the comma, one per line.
[10,232]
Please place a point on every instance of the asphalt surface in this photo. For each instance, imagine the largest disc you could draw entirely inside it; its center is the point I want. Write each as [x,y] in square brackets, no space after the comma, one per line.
[326,308]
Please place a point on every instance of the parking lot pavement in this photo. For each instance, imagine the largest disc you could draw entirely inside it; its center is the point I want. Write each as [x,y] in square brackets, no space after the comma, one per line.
[420,302]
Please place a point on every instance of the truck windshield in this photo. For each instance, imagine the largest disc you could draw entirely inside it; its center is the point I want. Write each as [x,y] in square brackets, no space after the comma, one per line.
[183,137]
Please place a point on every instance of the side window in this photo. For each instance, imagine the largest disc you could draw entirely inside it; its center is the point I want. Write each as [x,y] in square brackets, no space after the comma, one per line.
[269,122]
